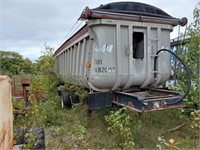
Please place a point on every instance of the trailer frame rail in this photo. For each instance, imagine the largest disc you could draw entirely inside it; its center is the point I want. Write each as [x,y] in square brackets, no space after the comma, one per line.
[142,101]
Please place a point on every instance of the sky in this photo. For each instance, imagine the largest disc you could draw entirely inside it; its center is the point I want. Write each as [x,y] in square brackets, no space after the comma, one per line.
[27,25]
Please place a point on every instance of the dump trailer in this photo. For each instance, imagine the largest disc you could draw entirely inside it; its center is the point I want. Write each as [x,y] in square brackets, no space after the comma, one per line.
[121,55]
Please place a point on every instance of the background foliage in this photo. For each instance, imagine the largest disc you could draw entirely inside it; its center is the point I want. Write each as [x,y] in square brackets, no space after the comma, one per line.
[12,63]
[192,59]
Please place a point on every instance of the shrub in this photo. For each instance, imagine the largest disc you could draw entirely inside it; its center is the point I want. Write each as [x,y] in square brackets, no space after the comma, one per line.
[123,126]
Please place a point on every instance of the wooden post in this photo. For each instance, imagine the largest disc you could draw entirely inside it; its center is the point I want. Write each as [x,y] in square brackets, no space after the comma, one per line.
[6,115]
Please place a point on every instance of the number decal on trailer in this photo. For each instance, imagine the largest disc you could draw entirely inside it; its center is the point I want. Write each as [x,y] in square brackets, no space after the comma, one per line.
[104,69]
[98,61]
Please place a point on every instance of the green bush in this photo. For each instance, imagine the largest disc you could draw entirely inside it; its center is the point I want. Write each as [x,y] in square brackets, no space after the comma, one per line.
[74,88]
[123,127]
[192,58]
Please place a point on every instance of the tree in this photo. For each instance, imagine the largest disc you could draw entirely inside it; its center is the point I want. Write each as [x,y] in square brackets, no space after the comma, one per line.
[47,77]
[46,62]
[192,58]
[28,66]
[12,63]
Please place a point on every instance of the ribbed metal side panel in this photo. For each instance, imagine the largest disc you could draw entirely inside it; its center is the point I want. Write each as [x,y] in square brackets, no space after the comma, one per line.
[109,47]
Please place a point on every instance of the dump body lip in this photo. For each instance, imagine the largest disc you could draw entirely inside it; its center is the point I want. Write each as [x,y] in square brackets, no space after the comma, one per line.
[131,11]
[89,14]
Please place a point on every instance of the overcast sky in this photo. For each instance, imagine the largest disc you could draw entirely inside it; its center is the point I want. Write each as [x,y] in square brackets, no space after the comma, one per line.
[25,25]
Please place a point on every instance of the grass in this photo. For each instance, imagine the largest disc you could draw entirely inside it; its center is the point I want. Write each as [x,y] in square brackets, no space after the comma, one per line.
[96,135]
[72,129]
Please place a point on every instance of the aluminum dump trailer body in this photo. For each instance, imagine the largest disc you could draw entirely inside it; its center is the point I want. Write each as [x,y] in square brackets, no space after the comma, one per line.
[117,47]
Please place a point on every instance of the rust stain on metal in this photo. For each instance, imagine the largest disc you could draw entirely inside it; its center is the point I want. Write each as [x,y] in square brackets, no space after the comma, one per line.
[6,124]
[130,105]
[156,105]
[2,137]
[169,107]
[25,84]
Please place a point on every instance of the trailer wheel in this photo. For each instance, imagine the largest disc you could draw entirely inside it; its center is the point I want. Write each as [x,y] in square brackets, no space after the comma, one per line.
[38,142]
[24,136]
[65,101]
[19,136]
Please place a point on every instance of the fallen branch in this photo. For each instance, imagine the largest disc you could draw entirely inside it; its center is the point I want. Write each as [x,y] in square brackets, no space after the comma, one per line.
[176,128]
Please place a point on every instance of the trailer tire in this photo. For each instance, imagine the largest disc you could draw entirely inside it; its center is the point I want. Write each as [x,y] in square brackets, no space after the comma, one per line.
[22,137]
[65,101]
[19,136]
[39,139]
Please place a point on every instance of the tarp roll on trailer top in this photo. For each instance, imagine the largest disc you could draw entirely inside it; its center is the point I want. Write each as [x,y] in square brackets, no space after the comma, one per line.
[135,8]
[6,115]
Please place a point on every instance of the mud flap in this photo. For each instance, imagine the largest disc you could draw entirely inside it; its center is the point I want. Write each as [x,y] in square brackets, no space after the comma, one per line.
[98,100]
